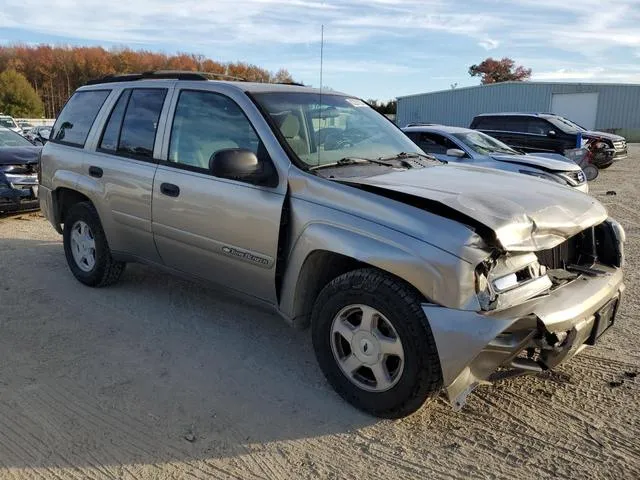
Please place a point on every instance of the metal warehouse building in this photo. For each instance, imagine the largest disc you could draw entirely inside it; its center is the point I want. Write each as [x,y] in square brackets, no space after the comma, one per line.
[599,106]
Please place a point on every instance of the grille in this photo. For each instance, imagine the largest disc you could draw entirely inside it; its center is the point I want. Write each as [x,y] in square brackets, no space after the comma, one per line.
[620,145]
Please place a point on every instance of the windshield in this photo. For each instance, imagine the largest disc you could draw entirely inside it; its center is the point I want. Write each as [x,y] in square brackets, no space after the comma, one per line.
[484,144]
[566,125]
[7,122]
[12,139]
[323,131]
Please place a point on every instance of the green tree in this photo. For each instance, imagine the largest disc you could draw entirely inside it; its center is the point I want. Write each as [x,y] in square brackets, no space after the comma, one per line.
[17,96]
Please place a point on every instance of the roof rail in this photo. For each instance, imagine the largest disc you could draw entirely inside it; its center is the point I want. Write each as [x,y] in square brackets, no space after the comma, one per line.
[162,74]
[420,124]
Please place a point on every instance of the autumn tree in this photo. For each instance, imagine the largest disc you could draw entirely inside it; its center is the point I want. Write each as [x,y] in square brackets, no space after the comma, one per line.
[17,96]
[495,71]
[55,72]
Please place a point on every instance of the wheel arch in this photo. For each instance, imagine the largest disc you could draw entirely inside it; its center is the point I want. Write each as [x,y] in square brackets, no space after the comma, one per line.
[63,199]
[323,252]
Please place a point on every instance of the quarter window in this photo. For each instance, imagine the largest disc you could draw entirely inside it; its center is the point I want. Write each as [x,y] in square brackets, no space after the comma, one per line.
[205,123]
[74,122]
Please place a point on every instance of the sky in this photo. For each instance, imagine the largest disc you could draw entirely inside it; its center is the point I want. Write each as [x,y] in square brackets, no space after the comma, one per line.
[376,49]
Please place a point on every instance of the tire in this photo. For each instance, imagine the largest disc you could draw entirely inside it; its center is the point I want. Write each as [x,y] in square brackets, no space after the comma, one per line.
[397,303]
[105,270]
[604,166]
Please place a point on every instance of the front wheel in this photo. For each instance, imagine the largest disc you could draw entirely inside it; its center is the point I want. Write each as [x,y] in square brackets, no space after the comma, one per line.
[374,344]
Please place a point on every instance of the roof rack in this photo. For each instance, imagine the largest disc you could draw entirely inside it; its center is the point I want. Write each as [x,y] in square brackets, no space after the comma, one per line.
[162,75]
[420,124]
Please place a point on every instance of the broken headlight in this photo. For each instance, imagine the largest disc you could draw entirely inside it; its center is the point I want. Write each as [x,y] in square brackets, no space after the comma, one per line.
[510,280]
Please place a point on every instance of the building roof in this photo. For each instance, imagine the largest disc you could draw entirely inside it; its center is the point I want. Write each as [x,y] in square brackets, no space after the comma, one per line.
[525,83]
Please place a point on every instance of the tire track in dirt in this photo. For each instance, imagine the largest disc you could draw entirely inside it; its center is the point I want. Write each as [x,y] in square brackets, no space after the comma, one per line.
[136,440]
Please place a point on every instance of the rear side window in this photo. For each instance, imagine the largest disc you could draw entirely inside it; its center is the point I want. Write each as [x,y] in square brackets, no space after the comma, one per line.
[490,123]
[133,123]
[77,117]
[519,124]
[111,134]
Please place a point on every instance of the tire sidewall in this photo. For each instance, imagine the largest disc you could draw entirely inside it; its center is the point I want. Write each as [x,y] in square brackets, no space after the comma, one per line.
[86,213]
[410,326]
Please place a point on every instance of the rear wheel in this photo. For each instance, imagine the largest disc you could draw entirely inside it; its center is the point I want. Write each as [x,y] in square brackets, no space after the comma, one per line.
[604,166]
[86,247]
[374,345]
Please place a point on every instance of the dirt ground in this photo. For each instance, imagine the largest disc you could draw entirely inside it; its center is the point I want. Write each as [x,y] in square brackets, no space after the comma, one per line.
[159,378]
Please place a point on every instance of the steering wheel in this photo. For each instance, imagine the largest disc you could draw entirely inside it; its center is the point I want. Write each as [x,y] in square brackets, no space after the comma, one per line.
[344,139]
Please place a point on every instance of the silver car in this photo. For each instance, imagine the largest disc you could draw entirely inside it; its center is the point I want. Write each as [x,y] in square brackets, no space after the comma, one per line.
[471,147]
[415,276]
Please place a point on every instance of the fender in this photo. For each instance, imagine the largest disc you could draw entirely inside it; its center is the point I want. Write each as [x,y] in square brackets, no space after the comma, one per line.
[436,274]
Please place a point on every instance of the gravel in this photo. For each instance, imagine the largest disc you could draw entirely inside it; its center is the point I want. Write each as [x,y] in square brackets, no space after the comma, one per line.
[160,378]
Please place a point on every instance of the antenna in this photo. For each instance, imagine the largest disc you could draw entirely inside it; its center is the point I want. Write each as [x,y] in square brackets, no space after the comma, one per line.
[321,62]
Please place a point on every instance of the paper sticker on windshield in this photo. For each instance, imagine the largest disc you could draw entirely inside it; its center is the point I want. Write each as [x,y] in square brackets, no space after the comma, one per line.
[356,102]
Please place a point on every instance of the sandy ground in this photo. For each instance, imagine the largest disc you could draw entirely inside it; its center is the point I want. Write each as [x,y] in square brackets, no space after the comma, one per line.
[160,378]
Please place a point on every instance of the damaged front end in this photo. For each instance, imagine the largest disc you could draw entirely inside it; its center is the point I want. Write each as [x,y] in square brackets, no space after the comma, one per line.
[538,309]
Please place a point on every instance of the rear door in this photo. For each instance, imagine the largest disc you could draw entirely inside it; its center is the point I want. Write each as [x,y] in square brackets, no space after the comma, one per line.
[221,230]
[119,171]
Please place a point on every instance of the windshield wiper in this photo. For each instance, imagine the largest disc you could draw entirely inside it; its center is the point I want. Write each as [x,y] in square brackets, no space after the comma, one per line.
[402,156]
[355,160]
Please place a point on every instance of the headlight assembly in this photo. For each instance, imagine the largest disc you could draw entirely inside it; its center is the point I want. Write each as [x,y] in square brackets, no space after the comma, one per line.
[544,175]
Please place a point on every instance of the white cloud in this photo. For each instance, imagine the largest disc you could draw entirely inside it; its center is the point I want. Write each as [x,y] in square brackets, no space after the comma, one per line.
[489,44]
[591,74]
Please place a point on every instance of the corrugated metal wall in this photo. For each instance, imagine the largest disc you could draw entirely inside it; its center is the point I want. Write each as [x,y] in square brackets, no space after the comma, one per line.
[618,105]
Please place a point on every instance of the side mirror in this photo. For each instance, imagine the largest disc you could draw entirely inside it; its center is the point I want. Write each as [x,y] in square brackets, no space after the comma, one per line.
[551,133]
[238,164]
[456,152]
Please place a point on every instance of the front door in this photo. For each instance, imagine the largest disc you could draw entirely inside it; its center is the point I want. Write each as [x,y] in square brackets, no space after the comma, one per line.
[221,230]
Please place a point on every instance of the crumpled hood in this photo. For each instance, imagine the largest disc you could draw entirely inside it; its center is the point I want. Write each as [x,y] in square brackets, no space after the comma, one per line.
[609,136]
[525,213]
[19,155]
[554,164]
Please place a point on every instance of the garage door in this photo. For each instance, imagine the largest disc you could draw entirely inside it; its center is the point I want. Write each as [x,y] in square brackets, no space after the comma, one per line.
[578,107]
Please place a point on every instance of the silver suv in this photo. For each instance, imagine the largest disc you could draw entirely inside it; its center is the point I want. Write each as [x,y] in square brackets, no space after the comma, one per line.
[415,276]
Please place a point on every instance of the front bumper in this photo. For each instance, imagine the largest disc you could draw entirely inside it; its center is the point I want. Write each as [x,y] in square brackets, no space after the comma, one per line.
[472,346]
[18,192]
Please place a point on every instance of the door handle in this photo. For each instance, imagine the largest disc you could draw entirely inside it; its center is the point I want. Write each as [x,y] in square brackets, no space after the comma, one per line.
[95,172]
[170,189]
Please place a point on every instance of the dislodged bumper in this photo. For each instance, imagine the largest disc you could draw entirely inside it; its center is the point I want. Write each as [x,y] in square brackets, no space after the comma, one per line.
[18,192]
[552,328]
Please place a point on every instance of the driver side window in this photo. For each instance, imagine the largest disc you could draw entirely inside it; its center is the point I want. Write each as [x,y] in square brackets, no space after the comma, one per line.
[434,143]
[205,123]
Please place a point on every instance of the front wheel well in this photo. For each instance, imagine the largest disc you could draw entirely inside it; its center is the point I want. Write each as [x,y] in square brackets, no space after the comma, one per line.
[318,270]
[65,198]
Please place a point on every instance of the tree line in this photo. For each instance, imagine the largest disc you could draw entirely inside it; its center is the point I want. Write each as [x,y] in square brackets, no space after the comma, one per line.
[55,72]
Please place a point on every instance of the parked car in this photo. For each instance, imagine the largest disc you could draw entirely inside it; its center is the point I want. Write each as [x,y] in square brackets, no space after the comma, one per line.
[38,135]
[470,147]
[18,178]
[546,132]
[25,126]
[414,275]
[8,122]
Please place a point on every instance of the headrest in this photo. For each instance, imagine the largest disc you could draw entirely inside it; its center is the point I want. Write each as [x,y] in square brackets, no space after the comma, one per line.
[290,127]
